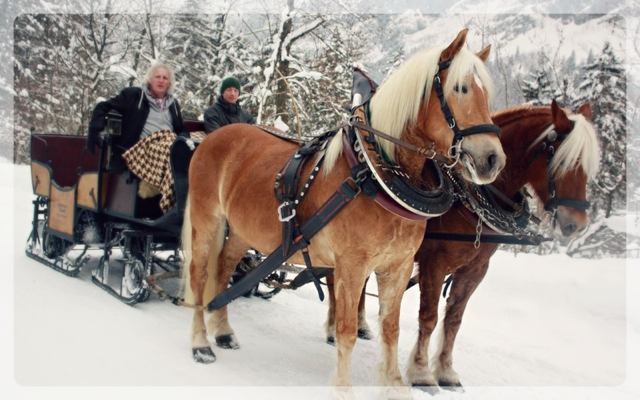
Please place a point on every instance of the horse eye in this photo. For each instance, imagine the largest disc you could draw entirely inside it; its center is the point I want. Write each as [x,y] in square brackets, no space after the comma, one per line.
[463,89]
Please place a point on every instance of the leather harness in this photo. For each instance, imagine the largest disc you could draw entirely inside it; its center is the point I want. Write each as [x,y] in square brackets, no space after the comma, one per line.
[361,179]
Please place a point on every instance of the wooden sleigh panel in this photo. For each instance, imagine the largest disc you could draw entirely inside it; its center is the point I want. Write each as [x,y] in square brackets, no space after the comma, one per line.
[62,206]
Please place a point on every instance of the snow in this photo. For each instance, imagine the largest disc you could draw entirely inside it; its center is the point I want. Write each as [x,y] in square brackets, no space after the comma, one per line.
[537,328]
[547,327]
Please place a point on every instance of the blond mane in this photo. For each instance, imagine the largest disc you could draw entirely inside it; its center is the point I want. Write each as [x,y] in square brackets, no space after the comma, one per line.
[397,101]
[580,148]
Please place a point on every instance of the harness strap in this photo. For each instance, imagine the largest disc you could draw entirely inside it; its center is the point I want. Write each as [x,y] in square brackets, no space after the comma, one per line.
[428,152]
[493,238]
[285,187]
[458,134]
[348,191]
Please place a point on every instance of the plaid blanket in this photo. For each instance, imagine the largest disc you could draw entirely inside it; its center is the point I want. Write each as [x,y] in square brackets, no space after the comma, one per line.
[149,160]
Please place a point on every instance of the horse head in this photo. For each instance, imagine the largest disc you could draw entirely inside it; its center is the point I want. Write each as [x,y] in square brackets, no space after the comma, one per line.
[440,99]
[572,158]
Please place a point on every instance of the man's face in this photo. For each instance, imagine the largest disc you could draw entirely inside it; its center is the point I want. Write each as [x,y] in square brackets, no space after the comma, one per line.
[230,95]
[159,83]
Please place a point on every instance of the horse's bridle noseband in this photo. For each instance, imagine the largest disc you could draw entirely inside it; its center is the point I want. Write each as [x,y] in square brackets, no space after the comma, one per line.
[554,200]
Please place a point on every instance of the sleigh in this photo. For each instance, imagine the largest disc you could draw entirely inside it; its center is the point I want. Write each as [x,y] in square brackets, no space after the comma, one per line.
[87,207]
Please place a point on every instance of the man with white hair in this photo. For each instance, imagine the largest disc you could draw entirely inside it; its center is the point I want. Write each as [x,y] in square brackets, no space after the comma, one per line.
[144,110]
[151,120]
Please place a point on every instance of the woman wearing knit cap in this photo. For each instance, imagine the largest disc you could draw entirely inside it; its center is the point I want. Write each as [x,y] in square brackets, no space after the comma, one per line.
[226,110]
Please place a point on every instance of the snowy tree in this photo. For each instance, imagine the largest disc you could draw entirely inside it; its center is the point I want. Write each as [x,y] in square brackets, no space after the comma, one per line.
[282,63]
[62,64]
[326,98]
[537,90]
[604,86]
[195,47]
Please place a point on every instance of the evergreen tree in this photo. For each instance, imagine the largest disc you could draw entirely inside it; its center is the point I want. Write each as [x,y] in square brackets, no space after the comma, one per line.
[604,86]
[329,92]
[538,90]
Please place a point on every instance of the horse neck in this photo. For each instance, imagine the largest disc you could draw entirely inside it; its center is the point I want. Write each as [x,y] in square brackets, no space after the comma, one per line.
[520,127]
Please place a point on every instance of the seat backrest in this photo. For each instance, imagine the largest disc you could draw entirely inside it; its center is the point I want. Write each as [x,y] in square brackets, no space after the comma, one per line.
[66,155]
[194,126]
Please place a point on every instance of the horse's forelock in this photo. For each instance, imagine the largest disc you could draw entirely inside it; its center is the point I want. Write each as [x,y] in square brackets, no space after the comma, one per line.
[464,64]
[579,148]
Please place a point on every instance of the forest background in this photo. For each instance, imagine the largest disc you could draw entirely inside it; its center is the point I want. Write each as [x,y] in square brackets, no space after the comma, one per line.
[295,60]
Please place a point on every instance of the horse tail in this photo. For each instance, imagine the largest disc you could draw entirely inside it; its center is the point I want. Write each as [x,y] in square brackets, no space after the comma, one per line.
[185,244]
[217,233]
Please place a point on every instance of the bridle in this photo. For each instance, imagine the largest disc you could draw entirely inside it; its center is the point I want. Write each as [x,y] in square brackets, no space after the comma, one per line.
[458,135]
[454,151]
[555,201]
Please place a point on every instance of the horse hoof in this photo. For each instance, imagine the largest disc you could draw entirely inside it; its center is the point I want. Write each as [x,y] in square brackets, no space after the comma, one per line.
[227,342]
[451,386]
[365,334]
[430,389]
[203,355]
[331,340]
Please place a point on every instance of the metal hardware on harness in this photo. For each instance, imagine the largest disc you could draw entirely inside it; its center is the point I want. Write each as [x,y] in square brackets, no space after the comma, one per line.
[476,244]
[454,153]
[288,218]
[480,202]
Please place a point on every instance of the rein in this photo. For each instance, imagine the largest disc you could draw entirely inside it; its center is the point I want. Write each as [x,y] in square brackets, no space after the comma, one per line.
[428,152]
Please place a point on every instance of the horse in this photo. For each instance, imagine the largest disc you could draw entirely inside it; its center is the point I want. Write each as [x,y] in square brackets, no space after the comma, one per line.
[231,182]
[549,151]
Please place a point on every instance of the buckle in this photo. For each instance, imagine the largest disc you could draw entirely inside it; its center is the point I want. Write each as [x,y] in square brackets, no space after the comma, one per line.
[288,218]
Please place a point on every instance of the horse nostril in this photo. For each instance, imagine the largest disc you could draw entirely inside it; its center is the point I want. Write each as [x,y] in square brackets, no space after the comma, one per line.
[570,229]
[492,161]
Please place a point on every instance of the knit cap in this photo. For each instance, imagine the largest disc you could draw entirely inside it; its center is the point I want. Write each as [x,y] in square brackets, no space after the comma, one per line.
[229,82]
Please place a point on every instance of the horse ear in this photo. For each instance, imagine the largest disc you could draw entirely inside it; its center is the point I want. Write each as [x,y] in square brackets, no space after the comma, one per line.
[585,110]
[484,53]
[455,46]
[560,120]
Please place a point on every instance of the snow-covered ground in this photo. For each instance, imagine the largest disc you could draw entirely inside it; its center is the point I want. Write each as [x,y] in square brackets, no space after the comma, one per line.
[537,328]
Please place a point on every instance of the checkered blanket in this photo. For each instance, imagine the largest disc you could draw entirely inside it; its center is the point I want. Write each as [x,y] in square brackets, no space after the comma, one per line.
[149,160]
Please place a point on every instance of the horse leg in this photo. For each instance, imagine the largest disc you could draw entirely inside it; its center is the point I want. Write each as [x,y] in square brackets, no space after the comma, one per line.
[465,282]
[431,275]
[330,325]
[218,324]
[364,332]
[205,242]
[347,288]
[392,282]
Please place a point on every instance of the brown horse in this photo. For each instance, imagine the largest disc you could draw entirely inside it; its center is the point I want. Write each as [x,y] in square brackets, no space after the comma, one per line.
[540,143]
[528,135]
[231,181]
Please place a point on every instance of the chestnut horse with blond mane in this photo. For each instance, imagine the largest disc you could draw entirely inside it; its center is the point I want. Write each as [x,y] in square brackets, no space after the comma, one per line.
[549,151]
[231,181]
